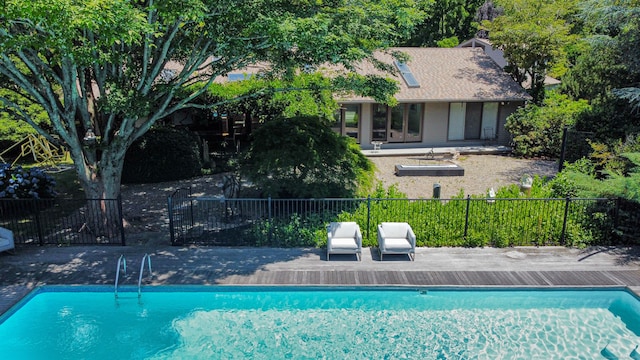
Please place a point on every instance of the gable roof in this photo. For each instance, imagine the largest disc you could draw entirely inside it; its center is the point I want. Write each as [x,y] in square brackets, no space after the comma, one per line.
[450,75]
[498,56]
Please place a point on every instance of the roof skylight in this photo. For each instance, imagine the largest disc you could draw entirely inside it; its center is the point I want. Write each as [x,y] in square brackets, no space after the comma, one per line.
[407,75]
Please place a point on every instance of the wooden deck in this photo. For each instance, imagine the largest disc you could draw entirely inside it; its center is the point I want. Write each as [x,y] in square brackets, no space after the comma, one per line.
[630,278]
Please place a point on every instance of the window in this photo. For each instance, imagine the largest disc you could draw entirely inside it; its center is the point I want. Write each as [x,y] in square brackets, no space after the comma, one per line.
[379,128]
[400,123]
[347,121]
[472,121]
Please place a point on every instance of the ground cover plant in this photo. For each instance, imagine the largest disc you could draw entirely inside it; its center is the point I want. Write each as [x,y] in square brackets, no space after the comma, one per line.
[512,218]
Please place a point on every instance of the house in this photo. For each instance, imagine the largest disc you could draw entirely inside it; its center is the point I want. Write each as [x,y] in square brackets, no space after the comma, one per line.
[447,97]
[498,56]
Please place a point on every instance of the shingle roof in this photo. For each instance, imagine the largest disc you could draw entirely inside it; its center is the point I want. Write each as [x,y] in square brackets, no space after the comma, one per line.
[451,74]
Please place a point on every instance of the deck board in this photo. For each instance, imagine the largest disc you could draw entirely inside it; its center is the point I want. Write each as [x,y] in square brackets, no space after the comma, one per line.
[439,278]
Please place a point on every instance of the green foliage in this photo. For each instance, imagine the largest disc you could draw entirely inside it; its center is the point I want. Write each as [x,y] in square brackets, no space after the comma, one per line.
[450,42]
[19,183]
[302,157]
[102,64]
[533,36]
[606,70]
[610,119]
[305,94]
[511,219]
[445,19]
[162,154]
[294,231]
[563,185]
[537,130]
[12,129]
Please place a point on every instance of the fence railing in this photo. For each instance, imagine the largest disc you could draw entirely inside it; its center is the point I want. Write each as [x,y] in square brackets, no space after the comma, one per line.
[63,221]
[436,222]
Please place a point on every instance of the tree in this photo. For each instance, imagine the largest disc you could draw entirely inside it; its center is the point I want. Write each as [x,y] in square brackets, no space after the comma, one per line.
[114,67]
[607,59]
[444,20]
[487,12]
[606,69]
[325,164]
[533,36]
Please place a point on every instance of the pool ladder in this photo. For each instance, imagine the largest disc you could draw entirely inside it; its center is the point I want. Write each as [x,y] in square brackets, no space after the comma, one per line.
[122,264]
[148,258]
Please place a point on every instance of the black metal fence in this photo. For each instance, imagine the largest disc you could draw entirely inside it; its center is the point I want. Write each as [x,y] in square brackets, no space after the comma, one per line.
[63,221]
[436,222]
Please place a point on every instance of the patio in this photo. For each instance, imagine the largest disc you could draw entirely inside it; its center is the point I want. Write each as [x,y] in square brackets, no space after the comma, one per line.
[506,267]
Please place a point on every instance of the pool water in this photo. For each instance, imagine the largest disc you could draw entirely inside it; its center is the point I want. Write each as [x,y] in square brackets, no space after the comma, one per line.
[311,323]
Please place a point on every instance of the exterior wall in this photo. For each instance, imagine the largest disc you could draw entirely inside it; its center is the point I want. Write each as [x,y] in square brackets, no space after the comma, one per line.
[365,126]
[435,126]
[504,138]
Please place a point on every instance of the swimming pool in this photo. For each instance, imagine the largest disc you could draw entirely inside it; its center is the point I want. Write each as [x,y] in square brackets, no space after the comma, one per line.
[333,323]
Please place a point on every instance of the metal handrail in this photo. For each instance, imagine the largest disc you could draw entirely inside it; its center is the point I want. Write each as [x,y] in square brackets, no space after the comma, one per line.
[122,262]
[148,258]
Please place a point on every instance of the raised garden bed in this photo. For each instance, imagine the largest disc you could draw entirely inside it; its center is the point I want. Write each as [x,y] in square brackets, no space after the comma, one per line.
[444,169]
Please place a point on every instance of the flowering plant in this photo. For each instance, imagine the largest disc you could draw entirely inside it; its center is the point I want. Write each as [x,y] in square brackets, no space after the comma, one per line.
[19,183]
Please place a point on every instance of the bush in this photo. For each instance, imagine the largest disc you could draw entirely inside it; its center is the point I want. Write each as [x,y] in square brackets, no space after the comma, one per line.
[20,183]
[162,154]
[302,157]
[511,219]
[537,130]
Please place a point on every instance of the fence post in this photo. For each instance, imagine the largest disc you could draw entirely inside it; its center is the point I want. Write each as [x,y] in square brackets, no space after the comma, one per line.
[466,217]
[564,222]
[191,207]
[616,214]
[368,214]
[563,148]
[170,207]
[270,234]
[120,220]
[37,220]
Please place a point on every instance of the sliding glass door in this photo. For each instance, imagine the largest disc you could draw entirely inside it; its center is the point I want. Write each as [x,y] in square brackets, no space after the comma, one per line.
[402,123]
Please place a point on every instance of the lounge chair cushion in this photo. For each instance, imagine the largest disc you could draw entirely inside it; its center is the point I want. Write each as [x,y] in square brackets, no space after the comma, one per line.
[344,244]
[397,244]
[343,230]
[395,230]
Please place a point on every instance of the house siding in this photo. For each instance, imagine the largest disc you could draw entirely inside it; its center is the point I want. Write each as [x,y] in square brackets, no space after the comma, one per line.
[503,136]
[435,126]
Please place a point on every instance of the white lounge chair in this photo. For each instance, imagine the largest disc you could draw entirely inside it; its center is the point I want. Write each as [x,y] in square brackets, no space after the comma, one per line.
[344,238]
[396,238]
[6,240]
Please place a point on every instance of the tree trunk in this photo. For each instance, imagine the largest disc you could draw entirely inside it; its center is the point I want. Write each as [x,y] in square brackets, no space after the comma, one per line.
[100,181]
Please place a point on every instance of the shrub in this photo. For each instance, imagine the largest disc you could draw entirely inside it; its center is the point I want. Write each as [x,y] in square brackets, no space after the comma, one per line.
[20,183]
[162,154]
[293,231]
[537,130]
[301,157]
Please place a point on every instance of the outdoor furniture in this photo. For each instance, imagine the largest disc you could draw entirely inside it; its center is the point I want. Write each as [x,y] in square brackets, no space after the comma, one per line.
[6,240]
[396,238]
[344,238]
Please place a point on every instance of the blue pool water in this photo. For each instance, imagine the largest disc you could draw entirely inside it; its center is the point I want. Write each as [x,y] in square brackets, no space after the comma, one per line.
[310,323]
